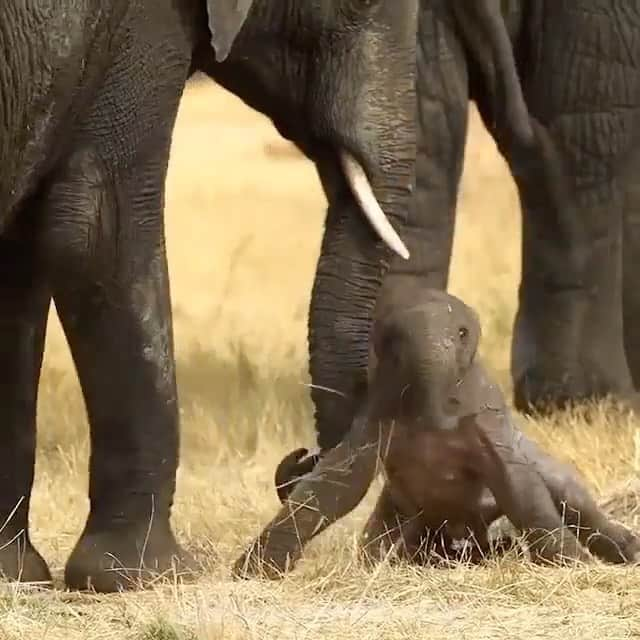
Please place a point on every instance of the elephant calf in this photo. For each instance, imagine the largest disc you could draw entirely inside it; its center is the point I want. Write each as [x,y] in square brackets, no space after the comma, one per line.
[454,459]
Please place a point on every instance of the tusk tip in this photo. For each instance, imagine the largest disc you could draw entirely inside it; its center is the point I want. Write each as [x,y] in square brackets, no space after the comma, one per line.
[363,193]
[400,249]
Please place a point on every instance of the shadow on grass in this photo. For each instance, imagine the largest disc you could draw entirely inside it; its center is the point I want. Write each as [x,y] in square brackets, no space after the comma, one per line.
[162,630]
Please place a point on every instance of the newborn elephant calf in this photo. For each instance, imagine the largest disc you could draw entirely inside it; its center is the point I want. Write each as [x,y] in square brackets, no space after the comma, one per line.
[453,458]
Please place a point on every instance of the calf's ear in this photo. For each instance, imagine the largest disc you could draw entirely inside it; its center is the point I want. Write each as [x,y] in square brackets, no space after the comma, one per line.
[226,18]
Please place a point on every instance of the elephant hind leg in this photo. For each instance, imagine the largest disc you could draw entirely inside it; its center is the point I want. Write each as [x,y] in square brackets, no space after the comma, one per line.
[605,538]
[24,304]
[568,343]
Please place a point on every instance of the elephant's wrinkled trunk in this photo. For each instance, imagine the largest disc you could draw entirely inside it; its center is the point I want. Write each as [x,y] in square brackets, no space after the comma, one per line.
[348,280]
[428,405]
[353,261]
[367,140]
[340,479]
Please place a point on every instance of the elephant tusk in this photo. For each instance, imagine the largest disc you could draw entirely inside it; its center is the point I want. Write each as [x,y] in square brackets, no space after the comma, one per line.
[363,193]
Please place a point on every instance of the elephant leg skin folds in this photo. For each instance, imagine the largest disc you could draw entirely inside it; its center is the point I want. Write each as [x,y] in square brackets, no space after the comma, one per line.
[582,89]
[112,295]
[24,304]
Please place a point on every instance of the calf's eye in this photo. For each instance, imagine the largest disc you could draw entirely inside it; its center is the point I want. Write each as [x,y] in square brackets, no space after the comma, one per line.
[463,332]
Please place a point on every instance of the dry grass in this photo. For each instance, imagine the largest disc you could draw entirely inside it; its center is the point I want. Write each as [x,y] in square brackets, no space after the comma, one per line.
[244,221]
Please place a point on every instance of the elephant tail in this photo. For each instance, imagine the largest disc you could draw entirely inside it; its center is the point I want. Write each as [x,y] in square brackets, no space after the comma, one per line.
[485,29]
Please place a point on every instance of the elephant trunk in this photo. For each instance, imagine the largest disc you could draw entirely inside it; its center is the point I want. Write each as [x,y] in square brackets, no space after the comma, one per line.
[291,469]
[417,395]
[339,481]
[345,291]
[352,262]
[433,386]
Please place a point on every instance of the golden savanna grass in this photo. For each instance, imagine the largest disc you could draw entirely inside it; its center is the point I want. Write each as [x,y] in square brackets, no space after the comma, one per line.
[244,220]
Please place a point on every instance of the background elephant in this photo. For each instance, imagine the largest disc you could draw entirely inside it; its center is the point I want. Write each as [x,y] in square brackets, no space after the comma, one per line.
[89,103]
[576,333]
[579,73]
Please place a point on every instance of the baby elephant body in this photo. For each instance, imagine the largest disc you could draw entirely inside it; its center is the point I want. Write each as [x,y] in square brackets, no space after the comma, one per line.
[454,460]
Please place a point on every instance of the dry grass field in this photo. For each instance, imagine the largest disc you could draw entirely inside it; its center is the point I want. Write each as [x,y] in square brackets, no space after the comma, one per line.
[244,219]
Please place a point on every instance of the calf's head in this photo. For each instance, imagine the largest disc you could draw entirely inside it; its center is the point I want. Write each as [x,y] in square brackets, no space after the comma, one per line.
[423,351]
[425,341]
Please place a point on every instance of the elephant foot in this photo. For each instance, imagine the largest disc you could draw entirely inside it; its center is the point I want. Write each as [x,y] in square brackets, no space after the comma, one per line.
[621,549]
[259,562]
[535,392]
[631,553]
[20,562]
[127,558]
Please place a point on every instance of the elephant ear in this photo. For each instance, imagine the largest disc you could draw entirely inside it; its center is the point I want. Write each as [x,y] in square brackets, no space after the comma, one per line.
[226,18]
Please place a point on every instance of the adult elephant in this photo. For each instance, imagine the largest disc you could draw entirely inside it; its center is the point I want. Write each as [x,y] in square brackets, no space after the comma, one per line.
[576,333]
[88,98]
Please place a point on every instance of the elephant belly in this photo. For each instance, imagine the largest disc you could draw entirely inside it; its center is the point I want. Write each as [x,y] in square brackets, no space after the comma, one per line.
[50,52]
[435,474]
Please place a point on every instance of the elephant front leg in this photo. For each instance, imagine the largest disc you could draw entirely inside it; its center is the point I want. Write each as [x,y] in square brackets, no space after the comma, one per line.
[334,488]
[520,491]
[382,530]
[24,304]
[568,336]
[109,272]
[604,537]
[388,530]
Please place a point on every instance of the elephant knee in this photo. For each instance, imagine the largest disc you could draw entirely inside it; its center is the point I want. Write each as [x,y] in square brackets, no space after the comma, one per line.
[75,221]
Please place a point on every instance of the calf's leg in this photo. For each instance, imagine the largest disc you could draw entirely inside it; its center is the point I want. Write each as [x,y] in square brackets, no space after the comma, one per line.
[522,493]
[334,488]
[605,538]
[388,527]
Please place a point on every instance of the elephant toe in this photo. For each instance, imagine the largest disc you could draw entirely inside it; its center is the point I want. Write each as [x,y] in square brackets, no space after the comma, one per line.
[543,392]
[125,559]
[631,402]
[631,551]
[254,564]
[20,562]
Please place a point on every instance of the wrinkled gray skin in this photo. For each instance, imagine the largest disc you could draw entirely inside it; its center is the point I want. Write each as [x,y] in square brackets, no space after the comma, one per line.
[576,335]
[89,91]
[338,390]
[461,45]
[454,461]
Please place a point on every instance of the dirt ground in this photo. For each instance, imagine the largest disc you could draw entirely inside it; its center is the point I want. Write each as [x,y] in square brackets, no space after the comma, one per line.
[244,218]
